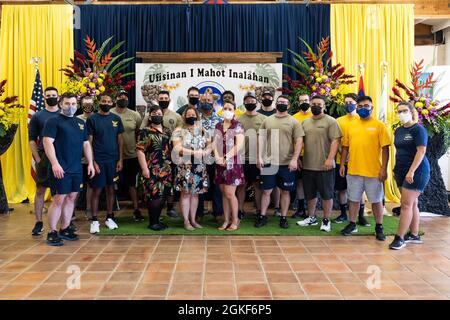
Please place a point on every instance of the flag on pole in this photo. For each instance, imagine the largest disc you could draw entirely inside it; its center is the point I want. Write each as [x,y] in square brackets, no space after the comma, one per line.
[37,103]
[361,86]
[384,97]
[215,2]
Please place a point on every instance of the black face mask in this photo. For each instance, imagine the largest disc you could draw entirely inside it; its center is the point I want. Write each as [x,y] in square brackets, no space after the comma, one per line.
[282,107]
[122,103]
[51,101]
[266,102]
[164,104]
[250,106]
[193,101]
[191,120]
[104,107]
[316,110]
[304,106]
[156,119]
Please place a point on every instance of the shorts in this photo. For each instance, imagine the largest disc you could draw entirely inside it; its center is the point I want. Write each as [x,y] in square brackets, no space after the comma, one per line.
[130,171]
[340,183]
[299,172]
[42,170]
[283,179]
[107,176]
[251,173]
[321,182]
[358,184]
[70,183]
[420,180]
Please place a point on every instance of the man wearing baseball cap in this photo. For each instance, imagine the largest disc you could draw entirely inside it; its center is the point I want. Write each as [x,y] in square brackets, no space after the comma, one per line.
[267,107]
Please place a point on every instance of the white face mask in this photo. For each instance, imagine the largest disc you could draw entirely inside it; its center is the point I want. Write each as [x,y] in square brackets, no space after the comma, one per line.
[404,117]
[228,114]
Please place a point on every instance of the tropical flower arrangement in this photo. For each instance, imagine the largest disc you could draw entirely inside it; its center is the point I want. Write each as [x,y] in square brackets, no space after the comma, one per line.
[433,116]
[317,76]
[97,72]
[10,110]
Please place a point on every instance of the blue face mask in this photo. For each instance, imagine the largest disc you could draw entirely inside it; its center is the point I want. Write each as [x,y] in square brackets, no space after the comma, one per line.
[350,107]
[207,106]
[364,113]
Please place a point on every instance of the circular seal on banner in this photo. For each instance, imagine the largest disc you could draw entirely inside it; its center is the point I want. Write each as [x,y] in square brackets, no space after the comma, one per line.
[215,87]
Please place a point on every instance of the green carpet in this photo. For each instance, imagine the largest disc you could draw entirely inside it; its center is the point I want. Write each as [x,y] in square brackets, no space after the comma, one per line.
[127,226]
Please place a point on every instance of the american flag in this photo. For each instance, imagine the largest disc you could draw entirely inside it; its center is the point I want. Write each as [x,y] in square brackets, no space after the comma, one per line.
[37,103]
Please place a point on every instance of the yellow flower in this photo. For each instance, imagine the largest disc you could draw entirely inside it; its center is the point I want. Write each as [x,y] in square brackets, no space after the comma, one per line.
[102,88]
[333,92]
[97,92]
[101,75]
[425,111]
[83,89]
[316,74]
[422,99]
[91,85]
[314,88]
[322,91]
[328,85]
[319,79]
[324,77]
[100,80]
[2,113]
[419,104]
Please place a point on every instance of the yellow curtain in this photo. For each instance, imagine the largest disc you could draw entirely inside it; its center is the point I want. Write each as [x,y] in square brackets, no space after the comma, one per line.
[44,31]
[370,34]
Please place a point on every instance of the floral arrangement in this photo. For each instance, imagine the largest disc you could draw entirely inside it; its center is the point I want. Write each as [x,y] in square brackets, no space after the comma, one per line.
[317,76]
[10,110]
[434,117]
[97,72]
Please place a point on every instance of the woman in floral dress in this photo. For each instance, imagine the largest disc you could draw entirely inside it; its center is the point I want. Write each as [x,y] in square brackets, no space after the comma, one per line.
[191,144]
[153,151]
[228,148]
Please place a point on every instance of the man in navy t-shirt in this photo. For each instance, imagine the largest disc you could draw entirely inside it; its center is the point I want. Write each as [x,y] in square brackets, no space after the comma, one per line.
[65,139]
[105,134]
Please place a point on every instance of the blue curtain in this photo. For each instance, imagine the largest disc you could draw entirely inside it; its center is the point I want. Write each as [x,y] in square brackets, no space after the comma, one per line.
[218,28]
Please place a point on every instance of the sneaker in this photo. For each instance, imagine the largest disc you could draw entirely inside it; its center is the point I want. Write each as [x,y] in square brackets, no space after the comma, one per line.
[410,238]
[397,244]
[68,234]
[284,223]
[138,216]
[38,228]
[241,215]
[95,227]
[165,226]
[362,221]
[172,213]
[310,221]
[261,221]
[277,212]
[72,226]
[326,226]
[54,240]
[341,218]
[379,234]
[297,215]
[156,227]
[349,229]
[111,224]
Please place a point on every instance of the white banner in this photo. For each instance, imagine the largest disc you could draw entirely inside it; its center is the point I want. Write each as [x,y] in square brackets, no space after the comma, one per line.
[177,78]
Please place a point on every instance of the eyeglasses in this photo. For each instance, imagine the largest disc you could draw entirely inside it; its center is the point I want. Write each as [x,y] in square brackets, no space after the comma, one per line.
[365,106]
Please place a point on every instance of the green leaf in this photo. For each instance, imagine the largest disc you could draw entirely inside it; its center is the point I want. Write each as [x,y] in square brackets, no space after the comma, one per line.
[113,60]
[121,65]
[310,50]
[127,75]
[102,48]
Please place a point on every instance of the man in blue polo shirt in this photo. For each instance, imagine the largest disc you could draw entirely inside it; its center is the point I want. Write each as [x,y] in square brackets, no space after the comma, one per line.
[105,134]
[65,139]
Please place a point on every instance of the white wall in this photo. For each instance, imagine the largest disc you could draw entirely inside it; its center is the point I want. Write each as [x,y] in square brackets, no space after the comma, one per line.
[433,55]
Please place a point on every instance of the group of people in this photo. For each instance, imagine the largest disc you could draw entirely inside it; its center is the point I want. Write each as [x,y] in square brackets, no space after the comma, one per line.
[197,152]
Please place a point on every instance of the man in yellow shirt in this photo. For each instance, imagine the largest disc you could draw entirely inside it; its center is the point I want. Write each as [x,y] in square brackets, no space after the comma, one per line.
[366,143]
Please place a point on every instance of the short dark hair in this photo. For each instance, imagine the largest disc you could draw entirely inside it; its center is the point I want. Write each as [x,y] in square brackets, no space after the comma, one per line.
[67,95]
[283,96]
[164,92]
[104,94]
[229,102]
[353,96]
[192,89]
[50,89]
[319,97]
[86,97]
[154,108]
[229,92]
[363,98]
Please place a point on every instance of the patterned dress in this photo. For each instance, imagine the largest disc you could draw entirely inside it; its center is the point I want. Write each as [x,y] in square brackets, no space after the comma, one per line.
[191,176]
[233,172]
[156,147]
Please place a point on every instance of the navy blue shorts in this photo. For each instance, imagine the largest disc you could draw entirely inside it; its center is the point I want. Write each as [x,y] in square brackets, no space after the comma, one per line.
[283,178]
[107,175]
[70,183]
[420,180]
[251,173]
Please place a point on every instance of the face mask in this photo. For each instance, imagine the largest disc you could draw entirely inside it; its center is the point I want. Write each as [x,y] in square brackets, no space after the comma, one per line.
[122,103]
[228,114]
[87,108]
[51,101]
[267,102]
[364,113]
[164,104]
[282,107]
[207,106]
[193,101]
[250,106]
[316,110]
[104,107]
[156,119]
[405,117]
[304,106]
[69,112]
[191,120]
[350,107]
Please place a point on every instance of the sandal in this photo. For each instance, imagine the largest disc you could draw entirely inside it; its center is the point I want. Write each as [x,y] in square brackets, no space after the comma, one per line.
[224,226]
[188,226]
[233,227]
[196,225]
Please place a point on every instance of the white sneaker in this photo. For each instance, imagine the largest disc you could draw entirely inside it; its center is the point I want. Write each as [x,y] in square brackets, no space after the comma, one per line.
[325,227]
[310,221]
[95,227]
[111,224]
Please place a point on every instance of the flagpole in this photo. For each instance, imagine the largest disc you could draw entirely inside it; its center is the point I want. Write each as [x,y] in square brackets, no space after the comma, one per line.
[384,95]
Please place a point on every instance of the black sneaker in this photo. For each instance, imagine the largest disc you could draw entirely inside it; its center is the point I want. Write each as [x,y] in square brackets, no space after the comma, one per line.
[379,234]
[241,215]
[172,213]
[156,227]
[397,244]
[297,215]
[38,228]
[261,221]
[138,216]
[284,223]
[362,221]
[349,229]
[72,226]
[341,218]
[68,234]
[410,238]
[165,226]
[54,240]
